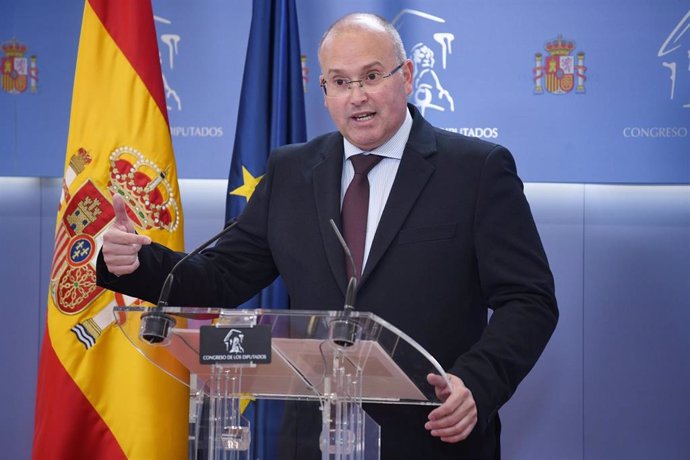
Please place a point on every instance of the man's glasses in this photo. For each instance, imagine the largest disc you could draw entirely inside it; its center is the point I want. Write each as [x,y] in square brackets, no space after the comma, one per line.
[339,87]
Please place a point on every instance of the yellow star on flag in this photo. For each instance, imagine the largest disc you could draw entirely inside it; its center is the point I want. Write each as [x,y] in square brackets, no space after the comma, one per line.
[250,183]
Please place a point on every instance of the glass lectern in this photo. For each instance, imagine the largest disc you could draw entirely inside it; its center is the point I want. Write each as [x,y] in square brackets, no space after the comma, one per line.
[338,359]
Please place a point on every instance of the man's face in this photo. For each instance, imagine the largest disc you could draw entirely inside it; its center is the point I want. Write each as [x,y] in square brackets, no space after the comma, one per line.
[366,119]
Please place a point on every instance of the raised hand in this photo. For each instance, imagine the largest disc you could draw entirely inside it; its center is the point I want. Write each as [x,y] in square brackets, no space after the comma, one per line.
[121,244]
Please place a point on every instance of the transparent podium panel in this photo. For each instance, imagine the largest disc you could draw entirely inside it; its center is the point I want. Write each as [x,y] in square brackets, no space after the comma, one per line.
[325,363]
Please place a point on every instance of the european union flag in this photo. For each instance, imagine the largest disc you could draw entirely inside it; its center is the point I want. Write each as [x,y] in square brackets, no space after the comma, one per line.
[271,111]
[271,114]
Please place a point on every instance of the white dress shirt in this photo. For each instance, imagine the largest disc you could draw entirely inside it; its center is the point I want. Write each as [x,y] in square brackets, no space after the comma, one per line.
[381,177]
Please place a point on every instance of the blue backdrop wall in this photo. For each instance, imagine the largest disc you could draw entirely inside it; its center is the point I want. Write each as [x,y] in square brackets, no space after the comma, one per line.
[593,99]
[587,91]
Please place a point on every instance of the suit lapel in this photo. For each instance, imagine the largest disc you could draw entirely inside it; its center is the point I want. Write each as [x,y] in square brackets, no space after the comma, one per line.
[413,173]
[327,176]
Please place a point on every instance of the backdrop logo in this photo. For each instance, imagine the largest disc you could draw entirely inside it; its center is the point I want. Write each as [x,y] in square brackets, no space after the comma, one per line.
[168,52]
[677,58]
[429,91]
[169,45]
[561,72]
[655,131]
[18,71]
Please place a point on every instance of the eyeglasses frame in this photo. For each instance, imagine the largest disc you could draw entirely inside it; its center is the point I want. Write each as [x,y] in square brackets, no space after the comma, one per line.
[360,81]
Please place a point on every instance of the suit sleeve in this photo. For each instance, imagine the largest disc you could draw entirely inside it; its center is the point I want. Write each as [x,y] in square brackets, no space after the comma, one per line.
[517,285]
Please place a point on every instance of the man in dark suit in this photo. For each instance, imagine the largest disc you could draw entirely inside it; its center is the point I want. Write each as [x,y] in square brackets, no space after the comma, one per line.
[448,236]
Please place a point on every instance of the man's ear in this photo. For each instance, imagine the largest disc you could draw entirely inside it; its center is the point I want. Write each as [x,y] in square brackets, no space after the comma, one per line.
[408,72]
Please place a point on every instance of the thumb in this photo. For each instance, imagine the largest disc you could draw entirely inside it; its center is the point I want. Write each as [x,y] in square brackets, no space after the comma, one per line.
[121,217]
[440,385]
[435,380]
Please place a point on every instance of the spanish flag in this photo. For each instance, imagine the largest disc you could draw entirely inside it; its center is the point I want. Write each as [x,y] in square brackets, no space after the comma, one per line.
[97,396]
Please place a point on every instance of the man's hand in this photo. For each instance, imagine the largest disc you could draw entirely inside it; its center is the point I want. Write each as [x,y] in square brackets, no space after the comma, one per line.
[121,244]
[456,417]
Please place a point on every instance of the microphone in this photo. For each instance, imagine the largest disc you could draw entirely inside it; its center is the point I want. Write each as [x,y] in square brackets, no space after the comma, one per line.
[155,324]
[351,292]
[345,331]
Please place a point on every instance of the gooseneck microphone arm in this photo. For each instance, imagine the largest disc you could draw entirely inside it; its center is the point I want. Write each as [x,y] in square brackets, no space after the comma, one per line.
[351,292]
[344,330]
[155,324]
[167,285]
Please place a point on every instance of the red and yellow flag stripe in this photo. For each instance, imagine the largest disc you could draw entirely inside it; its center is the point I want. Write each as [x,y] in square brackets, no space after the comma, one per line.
[97,396]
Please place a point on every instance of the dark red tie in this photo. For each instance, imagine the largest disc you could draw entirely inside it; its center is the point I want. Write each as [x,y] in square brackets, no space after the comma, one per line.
[356,209]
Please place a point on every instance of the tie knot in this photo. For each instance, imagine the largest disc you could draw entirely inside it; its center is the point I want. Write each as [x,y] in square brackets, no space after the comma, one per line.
[363,163]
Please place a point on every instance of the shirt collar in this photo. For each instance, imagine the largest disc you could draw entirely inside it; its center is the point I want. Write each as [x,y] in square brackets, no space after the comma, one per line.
[393,148]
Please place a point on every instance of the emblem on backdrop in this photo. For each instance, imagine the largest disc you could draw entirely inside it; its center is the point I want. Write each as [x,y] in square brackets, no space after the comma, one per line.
[19,72]
[168,49]
[431,55]
[561,71]
[431,42]
[675,55]
[177,75]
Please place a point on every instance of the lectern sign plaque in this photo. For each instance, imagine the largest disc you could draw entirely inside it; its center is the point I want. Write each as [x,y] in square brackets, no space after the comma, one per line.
[235,345]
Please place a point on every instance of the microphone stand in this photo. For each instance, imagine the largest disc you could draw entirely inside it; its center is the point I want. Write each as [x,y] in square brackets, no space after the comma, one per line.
[155,324]
[345,331]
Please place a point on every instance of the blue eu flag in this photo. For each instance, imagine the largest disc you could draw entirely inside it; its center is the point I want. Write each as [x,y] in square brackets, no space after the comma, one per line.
[271,114]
